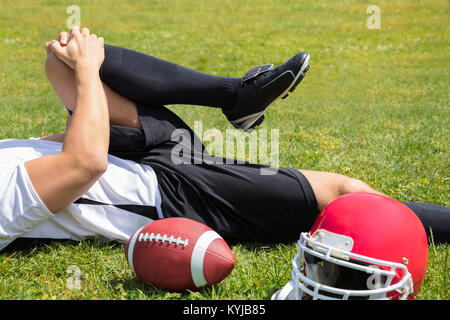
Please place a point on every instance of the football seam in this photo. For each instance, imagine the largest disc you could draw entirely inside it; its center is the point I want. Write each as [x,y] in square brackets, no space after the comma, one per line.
[166,240]
[162,238]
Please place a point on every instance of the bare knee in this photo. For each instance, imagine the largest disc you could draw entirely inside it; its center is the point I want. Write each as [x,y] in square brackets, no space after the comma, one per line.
[328,186]
[351,185]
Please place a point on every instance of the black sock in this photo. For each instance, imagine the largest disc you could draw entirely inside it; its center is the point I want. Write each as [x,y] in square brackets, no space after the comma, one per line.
[150,80]
[435,219]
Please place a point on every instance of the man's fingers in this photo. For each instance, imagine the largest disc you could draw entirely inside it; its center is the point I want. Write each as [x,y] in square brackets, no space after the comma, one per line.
[47,47]
[55,47]
[61,53]
[77,46]
[74,31]
[85,31]
[63,38]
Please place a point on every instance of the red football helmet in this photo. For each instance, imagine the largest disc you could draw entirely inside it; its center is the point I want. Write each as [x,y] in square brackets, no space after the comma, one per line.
[361,246]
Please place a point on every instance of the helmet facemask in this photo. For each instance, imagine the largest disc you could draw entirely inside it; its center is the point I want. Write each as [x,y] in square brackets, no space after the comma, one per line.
[325,268]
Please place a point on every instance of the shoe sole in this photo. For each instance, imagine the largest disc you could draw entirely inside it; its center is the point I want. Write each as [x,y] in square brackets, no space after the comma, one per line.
[249,122]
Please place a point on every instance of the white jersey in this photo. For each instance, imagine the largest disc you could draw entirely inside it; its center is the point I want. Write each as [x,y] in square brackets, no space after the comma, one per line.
[23,215]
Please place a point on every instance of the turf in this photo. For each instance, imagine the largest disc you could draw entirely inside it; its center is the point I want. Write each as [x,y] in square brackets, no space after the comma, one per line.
[375,106]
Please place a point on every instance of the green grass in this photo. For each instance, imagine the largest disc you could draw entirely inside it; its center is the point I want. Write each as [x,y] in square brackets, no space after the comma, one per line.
[375,106]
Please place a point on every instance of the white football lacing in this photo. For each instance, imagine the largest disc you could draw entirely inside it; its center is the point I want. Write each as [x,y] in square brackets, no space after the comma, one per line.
[157,237]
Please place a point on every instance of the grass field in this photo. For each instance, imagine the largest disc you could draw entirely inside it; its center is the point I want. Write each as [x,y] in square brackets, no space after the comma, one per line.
[374,106]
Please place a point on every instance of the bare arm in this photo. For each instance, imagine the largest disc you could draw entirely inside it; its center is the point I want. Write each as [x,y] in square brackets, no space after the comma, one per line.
[60,179]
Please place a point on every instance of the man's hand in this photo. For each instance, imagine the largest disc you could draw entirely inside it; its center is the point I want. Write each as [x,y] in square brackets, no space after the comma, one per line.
[78,48]
[63,39]
[60,179]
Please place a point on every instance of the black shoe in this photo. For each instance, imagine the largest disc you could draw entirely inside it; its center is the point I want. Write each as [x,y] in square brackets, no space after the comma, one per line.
[262,86]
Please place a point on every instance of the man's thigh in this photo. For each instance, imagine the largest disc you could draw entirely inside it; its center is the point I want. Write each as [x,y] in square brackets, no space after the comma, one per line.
[159,127]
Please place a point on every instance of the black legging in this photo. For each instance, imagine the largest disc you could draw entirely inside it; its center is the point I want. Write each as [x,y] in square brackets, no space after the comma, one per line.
[435,219]
[153,81]
[150,80]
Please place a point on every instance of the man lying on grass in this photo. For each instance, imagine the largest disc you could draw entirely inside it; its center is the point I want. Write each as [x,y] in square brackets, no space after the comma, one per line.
[112,171]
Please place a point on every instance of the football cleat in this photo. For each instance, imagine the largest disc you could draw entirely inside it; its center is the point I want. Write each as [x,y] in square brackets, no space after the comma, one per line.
[262,86]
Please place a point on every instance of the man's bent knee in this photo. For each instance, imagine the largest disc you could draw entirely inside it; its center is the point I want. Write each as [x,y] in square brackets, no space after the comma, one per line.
[351,185]
[328,186]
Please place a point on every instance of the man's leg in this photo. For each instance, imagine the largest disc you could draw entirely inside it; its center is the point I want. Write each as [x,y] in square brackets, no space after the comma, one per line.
[435,219]
[150,80]
[122,111]
[329,186]
[130,76]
